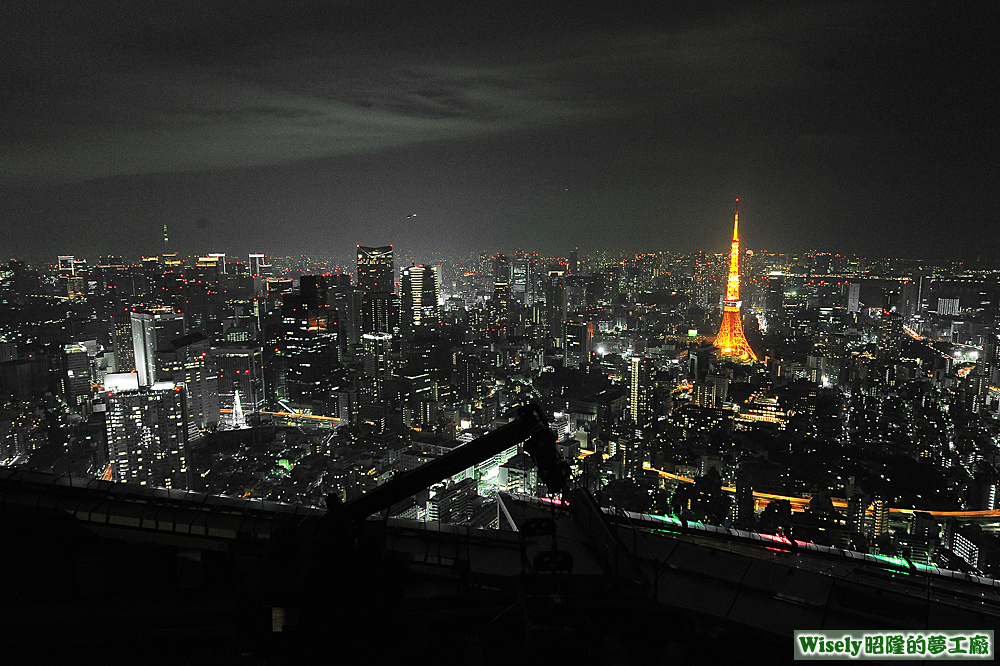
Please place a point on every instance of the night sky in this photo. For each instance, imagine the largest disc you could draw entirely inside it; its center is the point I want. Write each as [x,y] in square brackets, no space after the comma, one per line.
[295,127]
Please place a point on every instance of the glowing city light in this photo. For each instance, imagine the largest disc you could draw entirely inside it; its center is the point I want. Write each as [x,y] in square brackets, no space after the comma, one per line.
[730,341]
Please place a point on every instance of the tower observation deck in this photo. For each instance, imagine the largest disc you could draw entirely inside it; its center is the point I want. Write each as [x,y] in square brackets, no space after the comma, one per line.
[730,341]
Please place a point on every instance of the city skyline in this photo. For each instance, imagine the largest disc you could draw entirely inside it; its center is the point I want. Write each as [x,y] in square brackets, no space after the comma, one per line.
[844,419]
[841,127]
[434,308]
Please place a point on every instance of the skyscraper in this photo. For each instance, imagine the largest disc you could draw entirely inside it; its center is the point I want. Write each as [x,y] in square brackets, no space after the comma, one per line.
[121,325]
[193,366]
[501,268]
[378,366]
[555,302]
[309,348]
[420,288]
[988,364]
[349,304]
[144,347]
[730,341]
[907,303]
[890,334]
[376,281]
[150,333]
[220,261]
[313,290]
[147,432]
[520,286]
[500,307]
[240,368]
[774,299]
[379,313]
[76,378]
[167,326]
[640,392]
[375,269]
[256,261]
[579,342]
[854,297]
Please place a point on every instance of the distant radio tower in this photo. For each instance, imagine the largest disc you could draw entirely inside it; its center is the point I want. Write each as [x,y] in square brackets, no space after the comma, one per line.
[730,341]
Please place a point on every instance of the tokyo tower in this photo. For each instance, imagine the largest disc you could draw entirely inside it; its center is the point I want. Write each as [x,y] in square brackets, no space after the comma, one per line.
[730,341]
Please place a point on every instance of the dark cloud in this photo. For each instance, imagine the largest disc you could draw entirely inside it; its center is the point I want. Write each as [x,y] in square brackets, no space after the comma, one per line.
[834,118]
[189,87]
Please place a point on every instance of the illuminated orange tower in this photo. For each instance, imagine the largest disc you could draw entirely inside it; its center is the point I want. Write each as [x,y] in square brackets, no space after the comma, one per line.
[730,341]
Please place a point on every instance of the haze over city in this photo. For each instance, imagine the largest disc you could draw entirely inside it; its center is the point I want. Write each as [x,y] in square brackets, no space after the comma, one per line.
[850,127]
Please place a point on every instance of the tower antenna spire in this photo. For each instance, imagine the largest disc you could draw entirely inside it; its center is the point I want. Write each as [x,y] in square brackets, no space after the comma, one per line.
[736,222]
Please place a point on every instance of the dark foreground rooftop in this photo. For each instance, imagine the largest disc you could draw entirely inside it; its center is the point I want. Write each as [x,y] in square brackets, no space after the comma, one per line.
[99,572]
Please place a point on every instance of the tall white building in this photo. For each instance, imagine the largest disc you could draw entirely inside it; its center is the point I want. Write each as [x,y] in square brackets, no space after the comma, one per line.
[144,347]
[256,261]
[152,331]
[949,306]
[420,294]
[640,392]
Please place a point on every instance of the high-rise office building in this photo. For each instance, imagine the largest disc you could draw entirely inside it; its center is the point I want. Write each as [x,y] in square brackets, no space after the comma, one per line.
[67,264]
[152,332]
[555,302]
[167,326]
[379,312]
[712,391]
[144,347]
[349,304]
[468,375]
[147,432]
[577,288]
[240,368]
[949,306]
[420,305]
[274,290]
[375,269]
[75,285]
[640,392]
[76,375]
[417,398]
[310,348]
[774,299]
[313,290]
[76,288]
[989,362]
[854,297]
[743,506]
[191,363]
[520,286]
[121,331]
[256,261]
[220,261]
[376,281]
[906,304]
[501,268]
[579,342]
[500,306]
[890,334]
[377,348]
[374,393]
